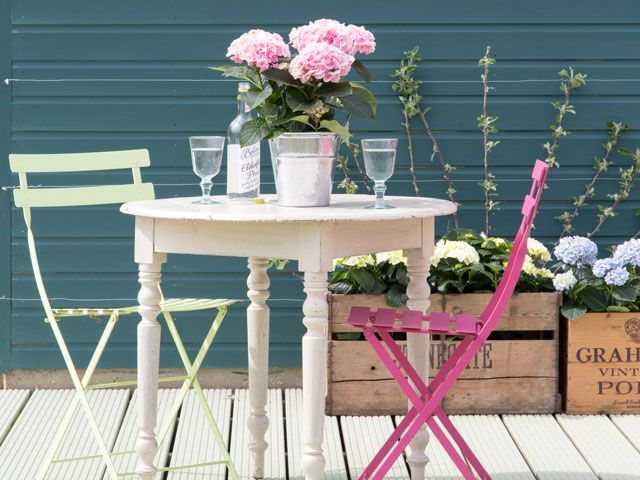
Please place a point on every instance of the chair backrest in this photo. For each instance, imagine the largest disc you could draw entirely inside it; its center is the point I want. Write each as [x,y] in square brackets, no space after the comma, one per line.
[24,164]
[500,299]
[28,198]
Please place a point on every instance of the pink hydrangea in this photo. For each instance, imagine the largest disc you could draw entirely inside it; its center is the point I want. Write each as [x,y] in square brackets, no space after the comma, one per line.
[351,39]
[321,61]
[258,49]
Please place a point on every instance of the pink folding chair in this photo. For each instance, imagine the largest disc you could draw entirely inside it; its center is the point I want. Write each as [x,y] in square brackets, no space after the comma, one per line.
[379,325]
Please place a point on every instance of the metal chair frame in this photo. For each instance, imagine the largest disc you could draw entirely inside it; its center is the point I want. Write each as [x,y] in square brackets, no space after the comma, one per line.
[28,198]
[425,400]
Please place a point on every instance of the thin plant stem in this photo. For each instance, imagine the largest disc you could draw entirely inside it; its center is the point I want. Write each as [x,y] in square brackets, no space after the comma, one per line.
[627,180]
[412,168]
[487,125]
[353,150]
[445,167]
[601,165]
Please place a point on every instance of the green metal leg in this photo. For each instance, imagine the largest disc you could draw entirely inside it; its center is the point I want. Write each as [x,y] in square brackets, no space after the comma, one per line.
[81,397]
[192,381]
[73,406]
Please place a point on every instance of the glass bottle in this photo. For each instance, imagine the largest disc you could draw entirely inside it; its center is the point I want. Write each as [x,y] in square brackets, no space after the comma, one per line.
[243,163]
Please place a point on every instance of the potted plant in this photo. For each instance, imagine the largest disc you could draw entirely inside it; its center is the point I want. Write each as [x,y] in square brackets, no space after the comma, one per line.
[602,300]
[521,358]
[303,101]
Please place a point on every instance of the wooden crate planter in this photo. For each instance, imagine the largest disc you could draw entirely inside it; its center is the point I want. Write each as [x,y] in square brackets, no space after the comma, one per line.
[603,363]
[517,375]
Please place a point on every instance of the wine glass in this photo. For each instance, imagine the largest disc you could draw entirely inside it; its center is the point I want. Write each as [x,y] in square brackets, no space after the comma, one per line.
[206,156]
[379,161]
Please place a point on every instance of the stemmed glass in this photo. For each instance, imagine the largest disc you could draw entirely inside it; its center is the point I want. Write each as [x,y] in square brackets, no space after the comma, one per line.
[206,156]
[379,161]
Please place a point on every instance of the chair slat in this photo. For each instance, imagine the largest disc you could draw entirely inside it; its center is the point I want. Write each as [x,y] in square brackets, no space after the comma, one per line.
[385,318]
[359,316]
[78,162]
[439,322]
[412,320]
[466,323]
[79,196]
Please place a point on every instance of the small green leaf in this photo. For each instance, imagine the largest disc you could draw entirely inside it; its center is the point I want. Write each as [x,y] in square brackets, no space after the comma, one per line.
[298,102]
[617,308]
[396,297]
[300,119]
[337,128]
[253,131]
[361,103]
[364,279]
[596,300]
[238,71]
[334,89]
[572,312]
[255,96]
[341,287]
[281,76]
[626,293]
[362,71]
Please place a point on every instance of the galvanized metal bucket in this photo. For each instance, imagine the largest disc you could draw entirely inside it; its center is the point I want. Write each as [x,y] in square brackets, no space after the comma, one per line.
[303,166]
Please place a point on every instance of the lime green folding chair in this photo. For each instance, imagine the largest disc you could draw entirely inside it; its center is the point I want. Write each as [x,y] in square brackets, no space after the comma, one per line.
[29,198]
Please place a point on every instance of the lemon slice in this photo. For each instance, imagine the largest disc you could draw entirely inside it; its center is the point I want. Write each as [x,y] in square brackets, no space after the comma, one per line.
[258,200]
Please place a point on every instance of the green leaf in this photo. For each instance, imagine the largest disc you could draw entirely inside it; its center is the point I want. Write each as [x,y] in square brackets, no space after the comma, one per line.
[253,131]
[626,293]
[362,71]
[361,103]
[334,89]
[298,102]
[300,119]
[238,71]
[341,287]
[617,308]
[396,297]
[595,299]
[281,76]
[255,96]
[364,279]
[571,311]
[337,128]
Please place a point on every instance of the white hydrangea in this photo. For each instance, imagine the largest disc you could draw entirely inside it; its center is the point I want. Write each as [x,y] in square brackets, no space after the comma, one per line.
[537,250]
[394,257]
[461,251]
[357,261]
[564,281]
[498,241]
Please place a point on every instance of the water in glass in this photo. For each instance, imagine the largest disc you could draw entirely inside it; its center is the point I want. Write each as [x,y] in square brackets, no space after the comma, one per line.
[206,157]
[379,161]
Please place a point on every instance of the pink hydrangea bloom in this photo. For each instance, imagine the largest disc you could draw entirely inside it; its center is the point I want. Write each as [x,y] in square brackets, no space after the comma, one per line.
[351,39]
[258,49]
[321,61]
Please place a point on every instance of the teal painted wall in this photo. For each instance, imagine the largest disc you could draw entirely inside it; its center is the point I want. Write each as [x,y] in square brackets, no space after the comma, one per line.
[87,252]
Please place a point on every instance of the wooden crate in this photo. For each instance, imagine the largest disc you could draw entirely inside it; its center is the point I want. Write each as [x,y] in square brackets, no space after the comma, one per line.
[507,375]
[603,363]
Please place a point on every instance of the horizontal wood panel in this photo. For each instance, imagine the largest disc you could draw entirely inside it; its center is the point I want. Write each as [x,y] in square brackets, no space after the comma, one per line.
[146,78]
[515,395]
[209,42]
[159,114]
[352,361]
[535,311]
[27,12]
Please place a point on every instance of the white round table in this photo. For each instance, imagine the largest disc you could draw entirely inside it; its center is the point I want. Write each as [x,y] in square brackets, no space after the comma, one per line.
[314,237]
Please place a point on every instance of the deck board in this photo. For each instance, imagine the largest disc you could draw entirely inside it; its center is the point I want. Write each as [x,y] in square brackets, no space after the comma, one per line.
[629,425]
[11,404]
[363,437]
[195,442]
[602,445]
[335,468]
[547,450]
[127,435]
[20,454]
[275,456]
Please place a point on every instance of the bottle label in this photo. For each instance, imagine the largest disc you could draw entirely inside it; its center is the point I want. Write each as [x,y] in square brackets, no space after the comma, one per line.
[243,168]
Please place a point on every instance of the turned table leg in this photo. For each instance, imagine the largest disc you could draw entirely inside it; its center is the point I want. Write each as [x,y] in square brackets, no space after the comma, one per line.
[418,344]
[258,342]
[148,365]
[314,368]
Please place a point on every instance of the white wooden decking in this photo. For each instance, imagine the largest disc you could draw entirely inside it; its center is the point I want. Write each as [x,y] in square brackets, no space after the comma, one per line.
[514,447]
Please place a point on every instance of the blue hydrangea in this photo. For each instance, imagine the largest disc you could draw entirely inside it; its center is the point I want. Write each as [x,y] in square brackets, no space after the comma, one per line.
[576,251]
[603,266]
[617,276]
[629,252]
